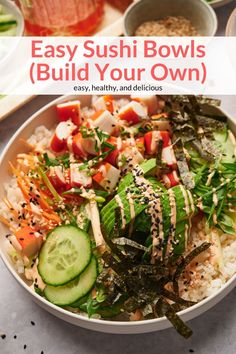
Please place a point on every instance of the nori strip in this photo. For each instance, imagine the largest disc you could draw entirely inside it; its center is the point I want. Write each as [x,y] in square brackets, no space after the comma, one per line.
[185,174]
[162,308]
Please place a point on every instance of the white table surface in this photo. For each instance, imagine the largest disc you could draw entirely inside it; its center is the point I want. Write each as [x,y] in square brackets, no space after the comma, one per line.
[214,332]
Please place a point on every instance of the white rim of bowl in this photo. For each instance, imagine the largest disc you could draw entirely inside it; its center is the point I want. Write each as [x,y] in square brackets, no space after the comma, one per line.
[207,5]
[99,322]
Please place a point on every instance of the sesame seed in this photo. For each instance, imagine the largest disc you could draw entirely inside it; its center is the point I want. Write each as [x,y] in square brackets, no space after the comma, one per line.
[32,322]
[25,346]
[3,336]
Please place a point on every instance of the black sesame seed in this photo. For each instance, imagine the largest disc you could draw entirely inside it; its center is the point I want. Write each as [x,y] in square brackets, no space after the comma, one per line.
[15,336]
[25,346]
[191,351]
[32,322]
[3,336]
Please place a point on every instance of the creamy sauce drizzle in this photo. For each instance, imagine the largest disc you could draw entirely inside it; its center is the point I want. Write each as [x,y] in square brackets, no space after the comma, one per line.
[233,140]
[155,138]
[121,206]
[215,199]
[172,219]
[119,143]
[154,210]
[209,178]
[191,201]
[186,233]
[132,212]
[186,201]
[173,211]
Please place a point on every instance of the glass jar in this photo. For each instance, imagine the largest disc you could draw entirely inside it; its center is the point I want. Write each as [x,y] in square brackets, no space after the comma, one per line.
[61,17]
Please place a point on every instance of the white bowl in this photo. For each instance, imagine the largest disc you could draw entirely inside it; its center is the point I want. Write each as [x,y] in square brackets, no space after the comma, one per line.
[14,10]
[198,12]
[47,117]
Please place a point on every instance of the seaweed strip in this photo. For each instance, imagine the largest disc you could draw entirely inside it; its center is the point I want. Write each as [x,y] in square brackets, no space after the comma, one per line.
[123,241]
[162,308]
[182,164]
[196,144]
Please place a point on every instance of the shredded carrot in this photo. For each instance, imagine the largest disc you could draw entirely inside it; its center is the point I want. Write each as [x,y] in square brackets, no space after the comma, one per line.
[24,183]
[10,207]
[7,223]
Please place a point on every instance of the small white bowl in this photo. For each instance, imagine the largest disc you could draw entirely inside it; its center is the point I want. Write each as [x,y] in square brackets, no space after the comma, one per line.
[14,10]
[198,12]
[47,116]
[231,25]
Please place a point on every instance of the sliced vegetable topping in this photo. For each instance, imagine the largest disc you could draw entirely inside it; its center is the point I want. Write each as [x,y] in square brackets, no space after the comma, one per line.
[64,255]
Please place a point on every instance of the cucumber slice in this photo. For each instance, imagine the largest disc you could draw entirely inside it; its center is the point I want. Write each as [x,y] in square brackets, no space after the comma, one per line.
[73,291]
[9,32]
[64,255]
[5,18]
[7,26]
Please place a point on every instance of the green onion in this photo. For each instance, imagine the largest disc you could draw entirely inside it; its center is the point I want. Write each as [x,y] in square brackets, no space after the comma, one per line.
[49,184]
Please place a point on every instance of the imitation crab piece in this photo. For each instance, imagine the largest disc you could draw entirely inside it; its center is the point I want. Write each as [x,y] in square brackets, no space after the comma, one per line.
[62,133]
[77,145]
[70,111]
[29,240]
[104,103]
[107,176]
[112,158]
[170,179]
[133,113]
[105,121]
[57,177]
[148,101]
[130,157]
[153,137]
[161,122]
[89,145]
[168,157]
[79,178]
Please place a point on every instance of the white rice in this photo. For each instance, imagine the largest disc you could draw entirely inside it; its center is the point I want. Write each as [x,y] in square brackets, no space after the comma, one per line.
[41,138]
